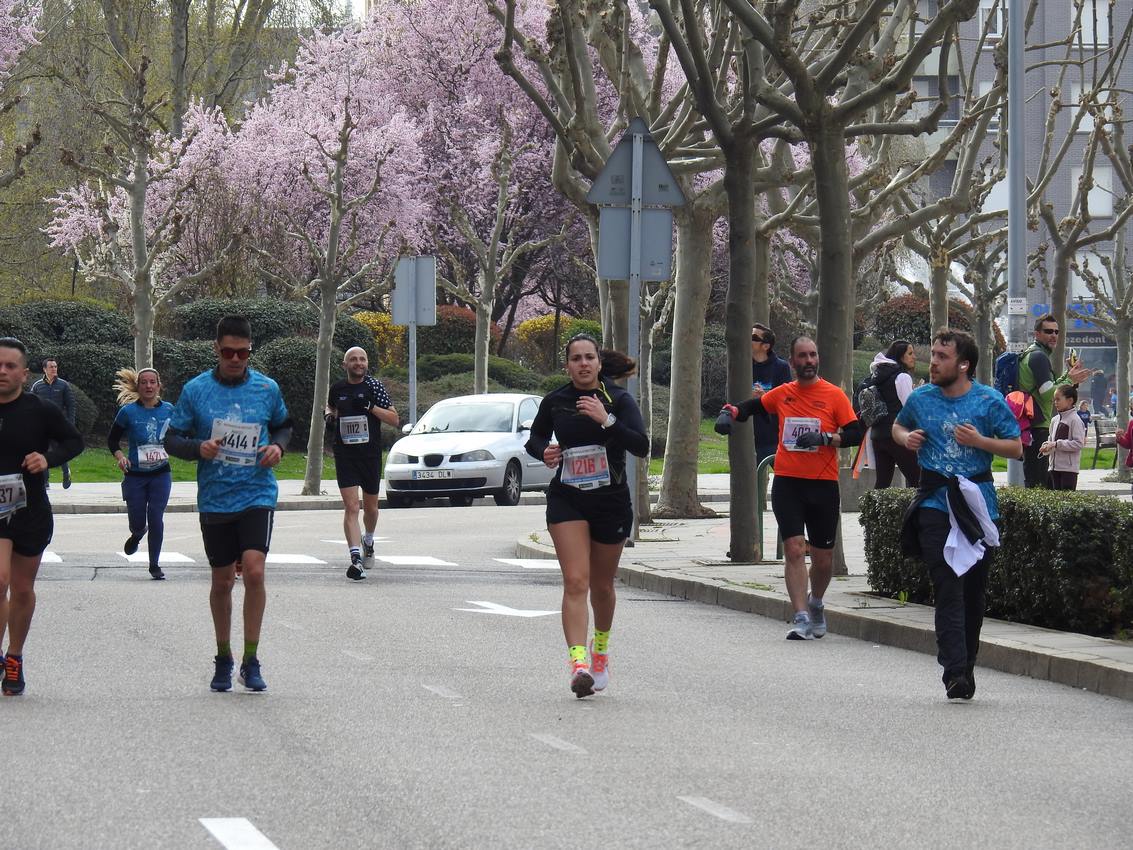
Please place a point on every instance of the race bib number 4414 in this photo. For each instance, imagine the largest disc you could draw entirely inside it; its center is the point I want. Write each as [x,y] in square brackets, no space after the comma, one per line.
[239,441]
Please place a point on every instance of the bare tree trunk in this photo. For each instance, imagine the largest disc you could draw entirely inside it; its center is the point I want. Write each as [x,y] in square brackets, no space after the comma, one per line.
[985,341]
[1059,296]
[938,292]
[328,317]
[482,338]
[178,59]
[143,285]
[678,496]
[739,183]
[835,263]
[143,325]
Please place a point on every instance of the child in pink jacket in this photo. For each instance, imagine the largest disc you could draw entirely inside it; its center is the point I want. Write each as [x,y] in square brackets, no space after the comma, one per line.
[1067,436]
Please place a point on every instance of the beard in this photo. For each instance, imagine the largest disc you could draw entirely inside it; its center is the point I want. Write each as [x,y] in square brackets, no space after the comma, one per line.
[945,379]
[807,371]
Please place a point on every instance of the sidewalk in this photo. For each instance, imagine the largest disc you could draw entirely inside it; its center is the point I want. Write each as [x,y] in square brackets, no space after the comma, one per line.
[685,559]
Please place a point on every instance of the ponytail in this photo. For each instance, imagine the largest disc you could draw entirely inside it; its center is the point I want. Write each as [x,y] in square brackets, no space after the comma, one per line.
[126,384]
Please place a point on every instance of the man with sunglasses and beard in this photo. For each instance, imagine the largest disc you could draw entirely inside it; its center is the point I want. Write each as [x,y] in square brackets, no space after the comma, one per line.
[233,422]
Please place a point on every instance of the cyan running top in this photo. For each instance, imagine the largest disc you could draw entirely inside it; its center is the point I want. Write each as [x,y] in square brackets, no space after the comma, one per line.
[144,427]
[243,415]
[929,409]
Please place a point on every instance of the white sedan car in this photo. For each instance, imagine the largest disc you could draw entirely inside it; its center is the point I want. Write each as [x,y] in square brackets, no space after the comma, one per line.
[467,447]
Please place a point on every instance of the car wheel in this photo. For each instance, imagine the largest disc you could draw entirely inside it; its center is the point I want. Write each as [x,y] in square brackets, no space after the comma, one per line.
[396,500]
[508,495]
[460,501]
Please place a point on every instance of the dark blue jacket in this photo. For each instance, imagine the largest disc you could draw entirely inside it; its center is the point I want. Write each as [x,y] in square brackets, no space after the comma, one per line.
[771,373]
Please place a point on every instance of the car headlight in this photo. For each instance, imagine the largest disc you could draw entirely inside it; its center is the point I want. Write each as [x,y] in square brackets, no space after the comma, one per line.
[397,457]
[478,455]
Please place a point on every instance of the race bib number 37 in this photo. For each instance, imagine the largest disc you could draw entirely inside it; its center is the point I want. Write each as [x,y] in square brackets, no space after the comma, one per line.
[239,441]
[12,494]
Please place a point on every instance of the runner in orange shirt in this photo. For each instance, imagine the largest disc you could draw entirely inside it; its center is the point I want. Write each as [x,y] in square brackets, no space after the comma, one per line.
[815,419]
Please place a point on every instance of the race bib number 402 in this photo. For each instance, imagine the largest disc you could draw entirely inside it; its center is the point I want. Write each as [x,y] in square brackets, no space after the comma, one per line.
[239,441]
[794,427]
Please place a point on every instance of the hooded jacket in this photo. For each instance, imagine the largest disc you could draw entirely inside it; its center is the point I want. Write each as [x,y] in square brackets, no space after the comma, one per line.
[894,384]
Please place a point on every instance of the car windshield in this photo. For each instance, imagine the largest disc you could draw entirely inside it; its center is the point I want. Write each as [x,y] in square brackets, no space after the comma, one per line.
[456,418]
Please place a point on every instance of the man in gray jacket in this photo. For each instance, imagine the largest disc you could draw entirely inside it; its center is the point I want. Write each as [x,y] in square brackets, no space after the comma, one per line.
[54,389]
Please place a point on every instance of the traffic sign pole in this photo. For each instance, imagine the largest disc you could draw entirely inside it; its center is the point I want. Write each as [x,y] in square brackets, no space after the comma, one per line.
[634,309]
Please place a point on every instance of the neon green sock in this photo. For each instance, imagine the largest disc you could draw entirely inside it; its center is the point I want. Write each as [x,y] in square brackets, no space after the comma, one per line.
[578,655]
[250,647]
[224,648]
[601,641]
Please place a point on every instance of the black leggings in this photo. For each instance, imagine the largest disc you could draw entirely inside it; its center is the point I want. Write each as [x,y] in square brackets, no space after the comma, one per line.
[887,454]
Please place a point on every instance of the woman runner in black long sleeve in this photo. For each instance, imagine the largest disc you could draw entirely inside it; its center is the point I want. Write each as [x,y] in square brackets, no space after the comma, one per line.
[589,513]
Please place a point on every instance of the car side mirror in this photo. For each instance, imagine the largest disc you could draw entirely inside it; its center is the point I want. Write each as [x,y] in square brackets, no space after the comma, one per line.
[526,424]
[407,427]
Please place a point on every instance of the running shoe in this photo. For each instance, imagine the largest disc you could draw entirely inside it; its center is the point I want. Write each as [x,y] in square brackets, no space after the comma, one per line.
[131,544]
[13,684]
[959,687]
[581,682]
[156,573]
[801,628]
[599,668]
[355,570]
[817,618]
[250,676]
[222,678]
[367,549]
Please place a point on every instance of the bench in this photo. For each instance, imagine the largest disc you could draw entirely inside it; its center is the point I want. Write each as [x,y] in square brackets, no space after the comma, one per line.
[1105,437]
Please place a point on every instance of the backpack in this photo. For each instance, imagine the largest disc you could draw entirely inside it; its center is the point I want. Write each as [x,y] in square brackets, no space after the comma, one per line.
[1023,408]
[1007,372]
[868,403]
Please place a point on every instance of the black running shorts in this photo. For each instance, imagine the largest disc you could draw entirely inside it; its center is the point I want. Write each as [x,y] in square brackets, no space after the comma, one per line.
[226,540]
[806,504]
[30,530]
[608,513]
[364,472]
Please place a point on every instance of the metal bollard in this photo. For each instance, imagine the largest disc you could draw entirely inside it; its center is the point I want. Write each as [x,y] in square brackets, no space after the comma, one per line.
[760,506]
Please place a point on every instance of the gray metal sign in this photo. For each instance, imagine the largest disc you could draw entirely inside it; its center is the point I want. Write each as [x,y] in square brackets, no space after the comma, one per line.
[614,186]
[614,243]
[415,291]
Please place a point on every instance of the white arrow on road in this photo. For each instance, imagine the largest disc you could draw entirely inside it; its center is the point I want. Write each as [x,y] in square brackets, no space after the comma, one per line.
[494,608]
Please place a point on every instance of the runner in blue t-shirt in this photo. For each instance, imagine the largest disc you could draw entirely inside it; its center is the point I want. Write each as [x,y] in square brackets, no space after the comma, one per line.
[955,426]
[142,419]
[234,422]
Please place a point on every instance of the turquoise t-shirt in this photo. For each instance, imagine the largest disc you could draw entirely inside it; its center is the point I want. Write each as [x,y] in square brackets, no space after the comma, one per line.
[244,415]
[144,426]
[938,415]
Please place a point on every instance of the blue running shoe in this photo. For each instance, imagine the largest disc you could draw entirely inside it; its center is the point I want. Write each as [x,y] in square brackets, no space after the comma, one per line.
[13,683]
[817,617]
[222,678]
[250,676]
[800,628]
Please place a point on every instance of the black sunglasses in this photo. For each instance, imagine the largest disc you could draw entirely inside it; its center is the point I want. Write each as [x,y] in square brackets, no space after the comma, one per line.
[758,338]
[240,353]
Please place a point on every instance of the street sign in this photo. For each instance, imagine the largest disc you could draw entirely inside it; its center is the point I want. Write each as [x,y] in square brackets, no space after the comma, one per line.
[614,186]
[1017,347]
[614,243]
[1016,306]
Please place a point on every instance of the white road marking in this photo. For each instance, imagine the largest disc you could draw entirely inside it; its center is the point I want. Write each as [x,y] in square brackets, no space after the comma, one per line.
[343,542]
[357,656]
[557,743]
[50,558]
[495,608]
[293,559]
[715,809]
[414,561]
[237,834]
[531,563]
[142,557]
[289,626]
[442,691]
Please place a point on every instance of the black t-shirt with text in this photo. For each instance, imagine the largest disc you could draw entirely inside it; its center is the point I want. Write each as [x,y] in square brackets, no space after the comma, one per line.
[352,403]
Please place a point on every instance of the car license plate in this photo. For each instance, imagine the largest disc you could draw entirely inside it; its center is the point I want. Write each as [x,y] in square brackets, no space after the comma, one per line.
[419,474]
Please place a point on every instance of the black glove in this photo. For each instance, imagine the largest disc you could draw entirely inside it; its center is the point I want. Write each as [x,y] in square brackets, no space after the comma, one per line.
[361,405]
[812,439]
[724,422]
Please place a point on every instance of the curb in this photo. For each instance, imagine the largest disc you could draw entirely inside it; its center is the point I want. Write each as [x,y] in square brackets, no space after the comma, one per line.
[1076,669]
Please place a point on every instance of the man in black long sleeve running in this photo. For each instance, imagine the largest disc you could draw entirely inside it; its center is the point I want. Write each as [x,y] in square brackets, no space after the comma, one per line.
[34,435]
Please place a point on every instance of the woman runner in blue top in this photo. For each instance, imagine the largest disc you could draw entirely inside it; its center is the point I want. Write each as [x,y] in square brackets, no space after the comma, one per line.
[589,513]
[142,419]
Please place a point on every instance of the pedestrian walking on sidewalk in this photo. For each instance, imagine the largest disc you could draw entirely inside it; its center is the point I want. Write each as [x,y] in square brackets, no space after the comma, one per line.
[233,422]
[589,514]
[34,435]
[356,409]
[816,418]
[955,426]
[51,388]
[891,375]
[147,478]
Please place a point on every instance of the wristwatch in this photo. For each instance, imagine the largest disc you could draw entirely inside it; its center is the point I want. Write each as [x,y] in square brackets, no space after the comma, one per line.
[610,420]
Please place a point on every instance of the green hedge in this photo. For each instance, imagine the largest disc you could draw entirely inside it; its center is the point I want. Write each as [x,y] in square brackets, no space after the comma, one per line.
[72,323]
[271,319]
[291,362]
[179,362]
[91,368]
[505,372]
[86,414]
[1065,560]
[454,332]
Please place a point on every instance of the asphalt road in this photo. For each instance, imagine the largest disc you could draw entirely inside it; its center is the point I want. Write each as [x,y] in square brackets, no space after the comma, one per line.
[396,718]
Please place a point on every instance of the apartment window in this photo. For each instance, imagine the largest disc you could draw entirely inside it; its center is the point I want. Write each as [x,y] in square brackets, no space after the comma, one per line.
[993,17]
[1095,23]
[1101,194]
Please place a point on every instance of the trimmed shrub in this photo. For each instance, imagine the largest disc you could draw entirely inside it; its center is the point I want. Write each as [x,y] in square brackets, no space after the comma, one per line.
[91,368]
[37,344]
[551,383]
[271,319]
[906,317]
[349,332]
[539,348]
[86,414]
[505,372]
[291,362]
[179,362]
[1063,563]
[454,332]
[389,339]
[75,323]
[433,366]
[513,375]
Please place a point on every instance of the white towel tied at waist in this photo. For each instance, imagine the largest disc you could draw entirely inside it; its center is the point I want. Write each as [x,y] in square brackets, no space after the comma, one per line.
[960,553]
